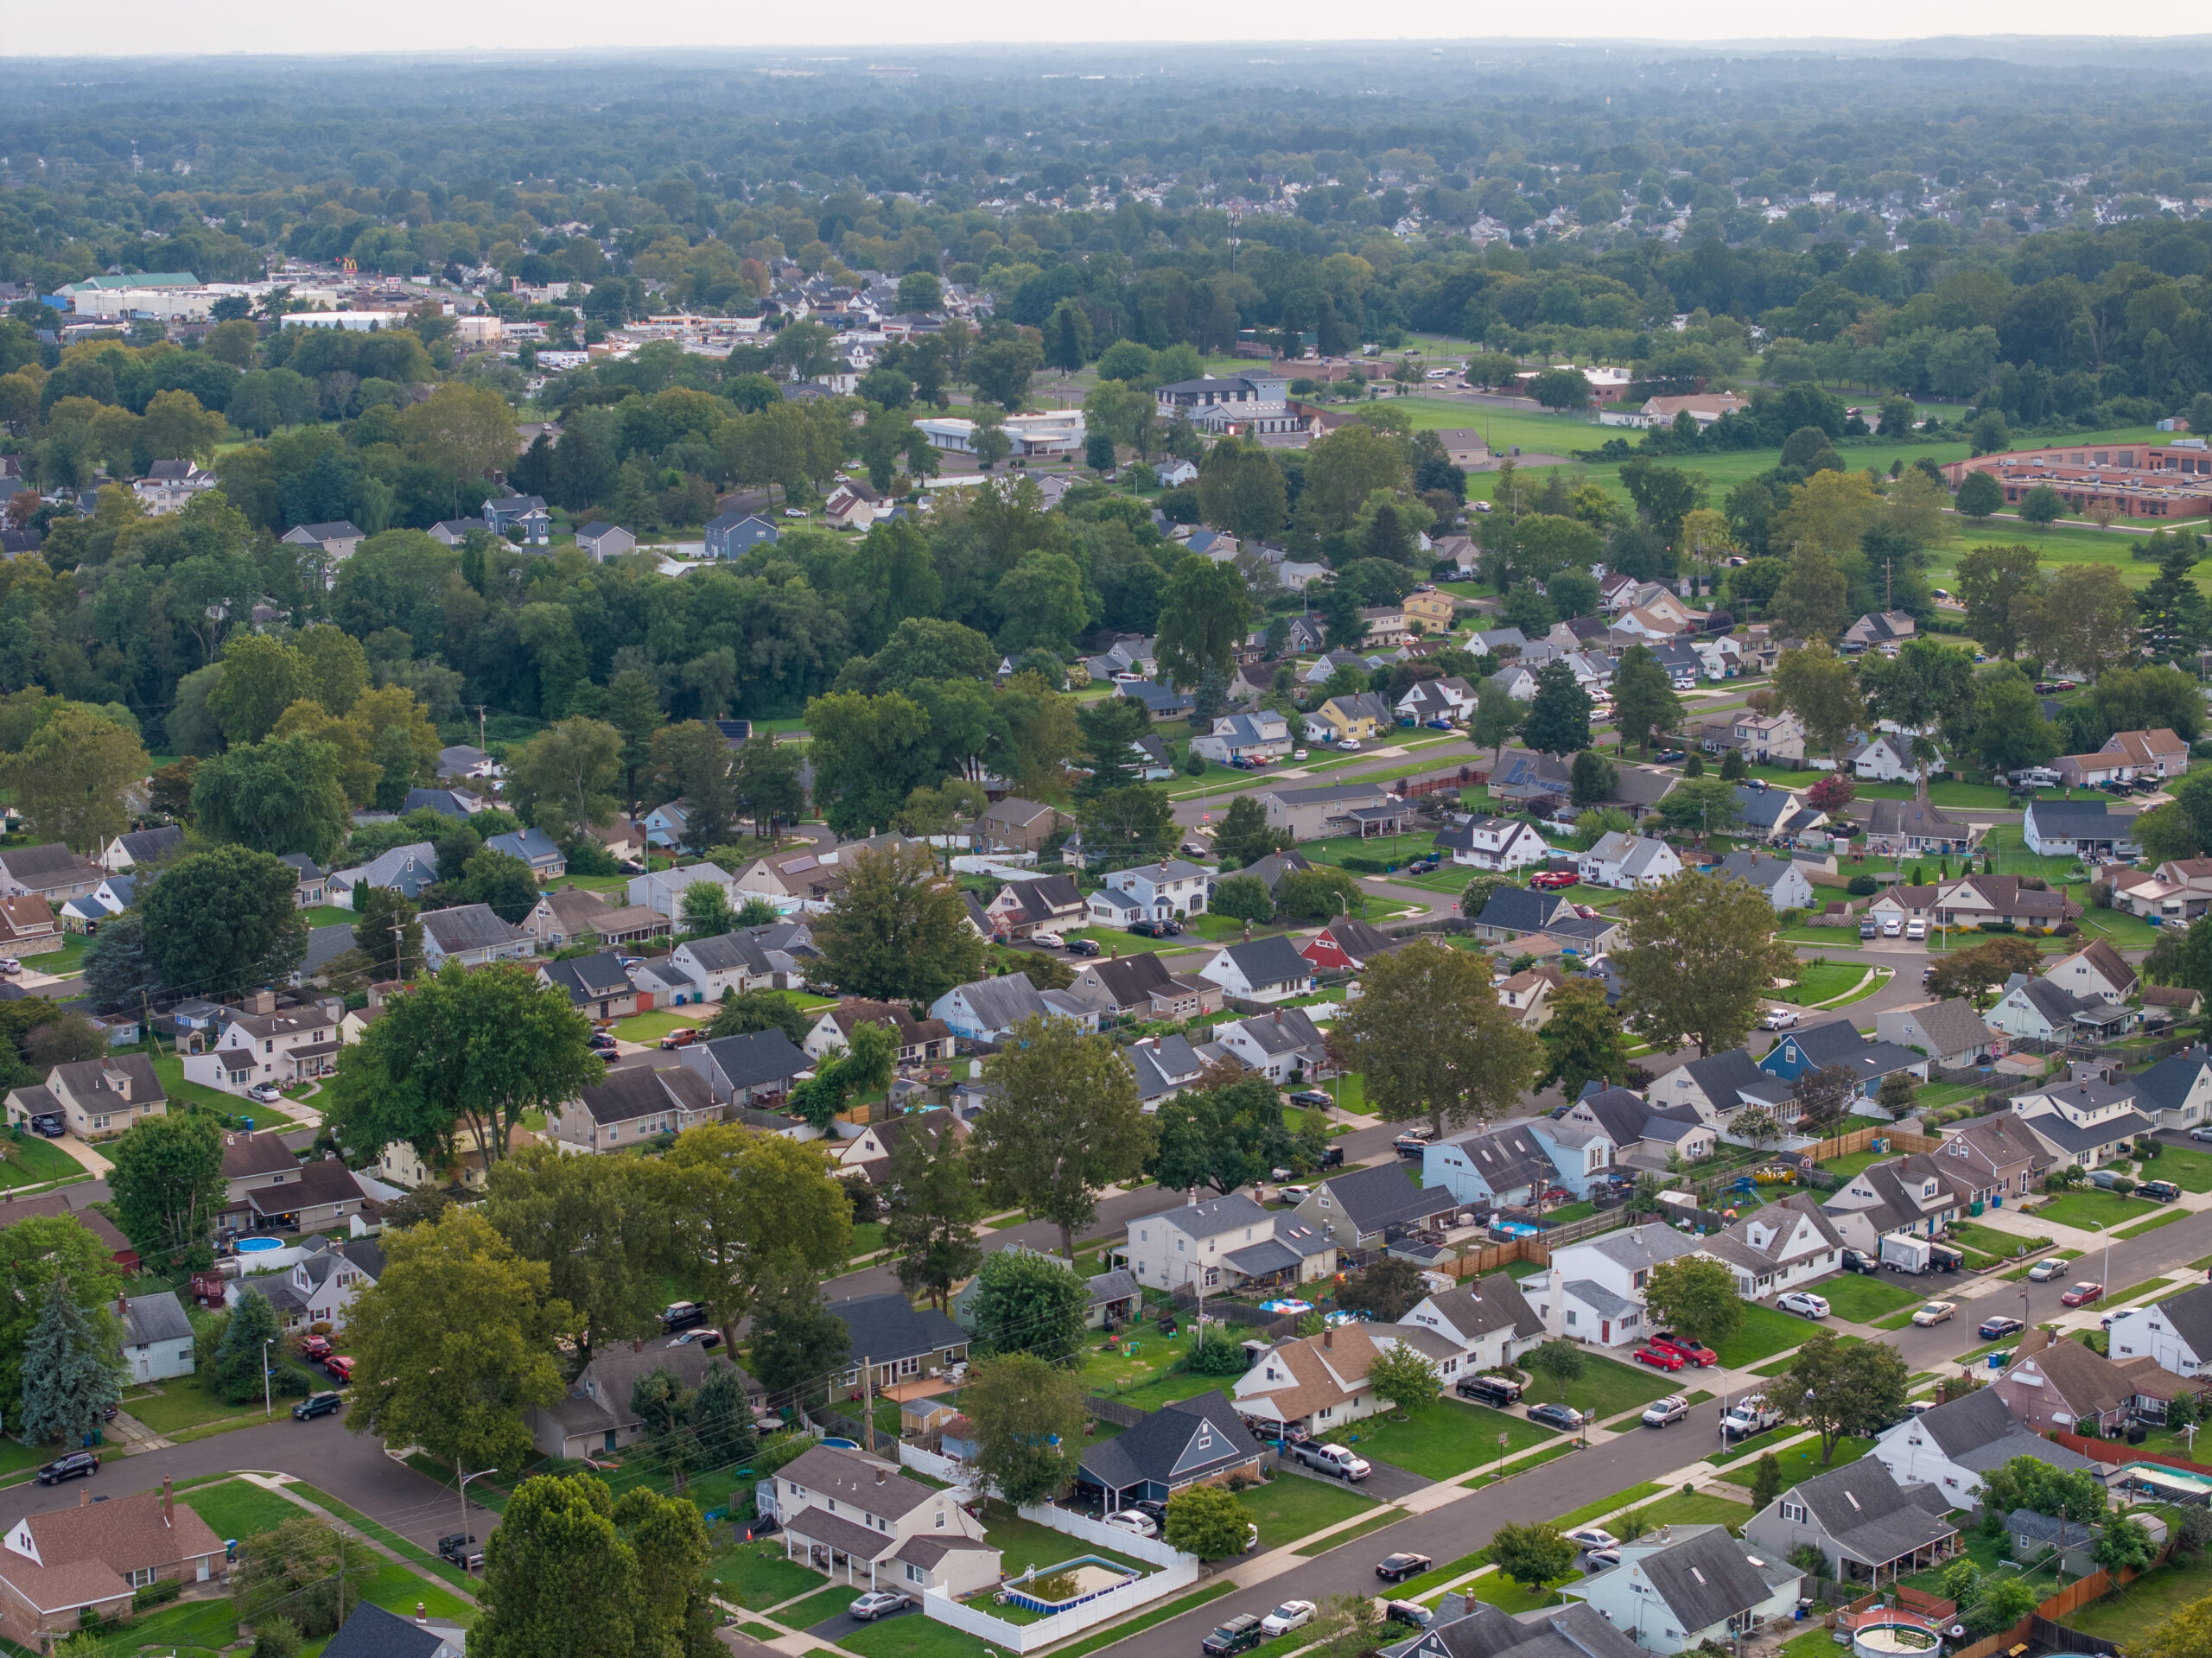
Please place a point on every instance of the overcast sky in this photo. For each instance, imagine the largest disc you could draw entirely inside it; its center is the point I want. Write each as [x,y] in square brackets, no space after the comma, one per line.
[134,28]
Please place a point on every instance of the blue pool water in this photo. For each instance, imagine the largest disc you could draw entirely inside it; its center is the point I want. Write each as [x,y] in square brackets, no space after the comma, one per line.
[256,1246]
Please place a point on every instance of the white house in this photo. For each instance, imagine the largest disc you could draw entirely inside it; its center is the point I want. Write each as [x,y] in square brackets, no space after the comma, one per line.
[1163,891]
[663,891]
[1784,884]
[472,934]
[1488,1321]
[1262,735]
[2095,969]
[2176,1335]
[988,1009]
[1594,1292]
[1886,757]
[156,1336]
[1267,969]
[1952,1446]
[1787,1243]
[1496,843]
[852,1512]
[262,1043]
[1281,1045]
[1682,1587]
[2036,1010]
[1628,861]
[1222,1242]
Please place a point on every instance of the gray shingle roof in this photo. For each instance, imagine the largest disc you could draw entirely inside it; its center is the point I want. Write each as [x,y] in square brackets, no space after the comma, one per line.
[1173,1447]
[156,1318]
[469,926]
[627,1096]
[756,1057]
[1385,1195]
[1862,1507]
[886,1327]
[1273,960]
[1704,1577]
[1216,1215]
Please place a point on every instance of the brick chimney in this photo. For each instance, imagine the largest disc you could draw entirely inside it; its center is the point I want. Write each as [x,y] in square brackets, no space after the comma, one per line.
[1328,1335]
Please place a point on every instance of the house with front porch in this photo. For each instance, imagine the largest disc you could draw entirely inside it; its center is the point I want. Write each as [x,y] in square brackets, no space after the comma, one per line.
[1494,843]
[1488,1321]
[2078,829]
[1223,1242]
[2095,969]
[1918,829]
[1996,1158]
[321,1285]
[264,1042]
[1199,1441]
[1283,1045]
[2035,1010]
[2086,1119]
[598,987]
[1372,1208]
[1953,1446]
[1778,1247]
[1261,735]
[1317,1384]
[1267,969]
[1684,1588]
[94,1098]
[914,1041]
[1914,1195]
[1838,1043]
[1020,907]
[748,1070]
[633,1108]
[1628,862]
[844,1513]
[1594,1291]
[2176,1334]
[1871,1527]
[1715,1087]
[1164,891]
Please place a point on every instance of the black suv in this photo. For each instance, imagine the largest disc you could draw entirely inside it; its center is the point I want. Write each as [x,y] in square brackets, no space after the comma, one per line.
[78,1465]
[1855,1263]
[460,1548]
[318,1404]
[1238,1635]
[2159,1191]
[1490,1390]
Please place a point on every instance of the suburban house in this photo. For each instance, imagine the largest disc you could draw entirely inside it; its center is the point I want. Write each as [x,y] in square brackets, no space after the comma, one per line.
[1628,862]
[2159,753]
[1346,945]
[1952,1446]
[1017,825]
[1495,843]
[1262,735]
[632,1108]
[986,1010]
[324,1193]
[339,539]
[534,848]
[1489,1166]
[1715,1087]
[1198,1441]
[735,533]
[597,986]
[1973,900]
[1914,1195]
[1885,757]
[743,1071]
[771,956]
[457,804]
[1950,1032]
[2078,829]
[27,925]
[1871,1527]
[57,1566]
[663,891]
[1224,1241]
[472,934]
[1370,1209]
[1331,809]
[1778,1247]
[1783,881]
[1319,1384]
[50,1204]
[1884,630]
[1449,699]
[898,1339]
[846,1510]
[1488,1321]
[255,1160]
[1162,890]
[1356,717]
[595,1418]
[2035,1010]
[371,1632]
[1474,1629]
[1594,1291]
[1282,1045]
[579,915]
[2087,1120]
[915,1041]
[406,870]
[140,846]
[1511,912]
[51,872]
[1267,969]
[2093,771]
[869,1154]
[2095,969]
[1918,829]
[602,541]
[2177,1092]
[318,1288]
[1639,1135]
[156,1336]
[1996,1158]
[526,515]
[1164,1066]
[2174,1334]
[1141,987]
[1837,1043]
[1684,1586]
[262,1042]
[94,1098]
[1020,907]
[2056,1385]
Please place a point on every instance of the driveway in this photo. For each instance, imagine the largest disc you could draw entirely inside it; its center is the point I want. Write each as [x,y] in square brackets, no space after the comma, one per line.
[835,1628]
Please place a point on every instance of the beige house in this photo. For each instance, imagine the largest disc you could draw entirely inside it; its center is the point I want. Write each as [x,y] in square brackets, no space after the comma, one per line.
[262,1043]
[1020,825]
[840,1509]
[94,1098]
[632,1108]
[57,1566]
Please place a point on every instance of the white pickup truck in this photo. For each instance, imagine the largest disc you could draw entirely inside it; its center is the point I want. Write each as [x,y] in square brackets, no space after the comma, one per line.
[1331,1459]
[1749,1416]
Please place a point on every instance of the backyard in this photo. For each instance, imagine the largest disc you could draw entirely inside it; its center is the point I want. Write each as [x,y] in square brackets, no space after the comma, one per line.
[2126,1613]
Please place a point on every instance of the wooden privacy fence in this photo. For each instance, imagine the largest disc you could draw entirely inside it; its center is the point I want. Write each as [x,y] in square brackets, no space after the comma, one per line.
[2045,1625]
[1859,1139]
[2114,1450]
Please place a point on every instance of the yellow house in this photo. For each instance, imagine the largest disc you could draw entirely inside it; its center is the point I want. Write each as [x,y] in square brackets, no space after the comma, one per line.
[1359,716]
[1431,611]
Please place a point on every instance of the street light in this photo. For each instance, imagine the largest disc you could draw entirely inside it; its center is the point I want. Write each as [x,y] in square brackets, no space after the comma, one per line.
[268,1406]
[465,1478]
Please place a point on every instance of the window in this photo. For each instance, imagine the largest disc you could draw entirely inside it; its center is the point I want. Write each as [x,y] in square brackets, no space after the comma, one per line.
[1794,1511]
[914,1573]
[940,1520]
[142,1576]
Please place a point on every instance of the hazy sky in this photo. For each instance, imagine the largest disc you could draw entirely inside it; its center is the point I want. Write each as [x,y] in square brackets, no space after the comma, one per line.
[135,28]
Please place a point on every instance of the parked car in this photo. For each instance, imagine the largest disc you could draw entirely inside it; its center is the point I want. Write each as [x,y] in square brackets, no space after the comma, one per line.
[1601,1559]
[1489,1390]
[1564,1417]
[1659,1358]
[1413,1143]
[1869,929]
[682,1315]
[2043,1271]
[1662,1412]
[1295,1194]
[1916,928]
[2081,1294]
[1396,1568]
[1855,1263]
[49,1123]
[1893,927]
[340,1367]
[1311,1096]
[1144,929]
[315,1349]
[1157,1510]
[1046,940]
[1696,1352]
[1133,1520]
[1594,1537]
[1553,880]
[78,1465]
[1438,725]
[1333,1459]
[1411,1613]
[1804,1303]
[1083,947]
[318,1404]
[1998,1329]
[265,1093]
[682,1036]
[1667,756]
[2159,1191]
[1238,1635]
[1777,1018]
[1935,1312]
[460,1547]
[878,1603]
[1291,1615]
[1349,746]
[10,966]
[2202,1131]
[604,1042]
[709,1339]
[1747,1416]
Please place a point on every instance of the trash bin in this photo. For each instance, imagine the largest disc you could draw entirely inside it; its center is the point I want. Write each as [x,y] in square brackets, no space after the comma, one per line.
[1975,1208]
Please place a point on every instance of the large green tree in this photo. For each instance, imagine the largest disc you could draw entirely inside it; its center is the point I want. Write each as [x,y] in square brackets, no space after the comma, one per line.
[281,795]
[931,1209]
[1224,1136]
[1819,688]
[167,1187]
[1697,1297]
[799,1346]
[750,1209]
[897,930]
[1062,1123]
[72,1372]
[1432,1040]
[1028,1303]
[1028,1416]
[1700,957]
[559,1580]
[1204,617]
[1839,1391]
[70,777]
[603,1227]
[223,921]
[1558,721]
[570,777]
[1644,702]
[34,1254]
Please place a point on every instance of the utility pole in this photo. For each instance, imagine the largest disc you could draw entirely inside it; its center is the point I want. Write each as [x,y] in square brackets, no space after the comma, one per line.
[868,1402]
[479,725]
[398,951]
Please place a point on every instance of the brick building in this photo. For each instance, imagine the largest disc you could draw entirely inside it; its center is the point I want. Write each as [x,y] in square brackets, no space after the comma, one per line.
[2142,480]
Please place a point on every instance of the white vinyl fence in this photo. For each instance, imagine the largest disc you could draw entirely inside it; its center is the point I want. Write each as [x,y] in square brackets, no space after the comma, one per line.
[1173,1570]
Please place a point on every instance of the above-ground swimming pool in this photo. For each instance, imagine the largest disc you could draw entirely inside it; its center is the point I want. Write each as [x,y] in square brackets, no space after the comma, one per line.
[255,1245]
[1069,1584]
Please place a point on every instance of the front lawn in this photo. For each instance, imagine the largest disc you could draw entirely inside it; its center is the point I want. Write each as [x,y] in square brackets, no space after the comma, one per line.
[32,1161]
[239,1509]
[2190,1170]
[1818,981]
[183,1404]
[1697,1509]
[1988,1240]
[2020,1272]
[1496,1588]
[913,1636]
[2153,1223]
[1765,1333]
[1291,1506]
[1442,1439]
[2096,1209]
[1861,1298]
[1609,1387]
[1803,1461]
[651,1027]
[757,1576]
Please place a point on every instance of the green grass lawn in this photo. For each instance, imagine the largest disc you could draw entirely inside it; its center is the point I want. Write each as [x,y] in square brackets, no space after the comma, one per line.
[1496,1588]
[1603,1505]
[1765,1333]
[1844,1167]
[2093,1208]
[1862,1299]
[651,1027]
[2190,1170]
[913,1638]
[1983,1551]
[238,1507]
[2152,1225]
[1775,1367]
[1695,1510]
[1444,1440]
[1608,1387]
[1130,944]
[2018,1273]
[184,1403]
[1988,1240]
[329,915]
[821,1605]
[1289,1506]
[1818,981]
[757,1576]
[170,1070]
[1022,1544]
[1803,1461]
[31,1161]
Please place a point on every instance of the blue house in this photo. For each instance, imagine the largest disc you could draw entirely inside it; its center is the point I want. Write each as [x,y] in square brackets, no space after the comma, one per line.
[1839,1042]
[737,532]
[534,848]
[524,513]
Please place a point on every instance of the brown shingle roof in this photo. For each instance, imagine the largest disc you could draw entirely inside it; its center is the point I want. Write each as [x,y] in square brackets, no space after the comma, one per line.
[127,1534]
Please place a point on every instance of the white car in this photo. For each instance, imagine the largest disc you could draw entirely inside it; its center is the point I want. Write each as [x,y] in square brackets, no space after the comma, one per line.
[10,965]
[1804,1303]
[1594,1537]
[1916,928]
[267,1093]
[1777,1018]
[2202,1131]
[1300,753]
[1131,1520]
[1291,1615]
[1662,1412]
[1891,926]
[1349,746]
[1295,1194]
[1049,940]
[794,512]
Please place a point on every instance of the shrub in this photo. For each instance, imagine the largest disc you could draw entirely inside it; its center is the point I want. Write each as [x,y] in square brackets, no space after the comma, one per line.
[1216,1354]
[1998,926]
[155,1594]
[1863,886]
[1365,866]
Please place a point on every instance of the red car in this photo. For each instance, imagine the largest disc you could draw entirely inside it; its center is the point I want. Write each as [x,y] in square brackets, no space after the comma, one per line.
[1551,881]
[1659,1358]
[2081,1294]
[1688,1350]
[341,1367]
[682,1036]
[315,1348]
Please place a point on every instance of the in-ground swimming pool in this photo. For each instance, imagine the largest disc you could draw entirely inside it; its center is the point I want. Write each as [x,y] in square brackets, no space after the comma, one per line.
[256,1246]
